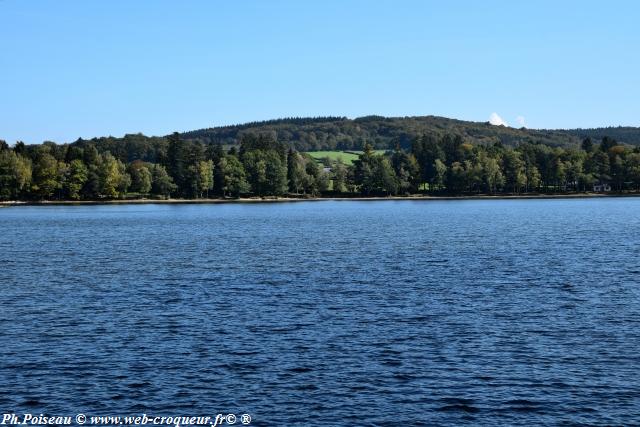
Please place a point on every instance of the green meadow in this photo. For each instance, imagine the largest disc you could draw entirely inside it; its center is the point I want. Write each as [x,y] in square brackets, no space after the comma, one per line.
[347,157]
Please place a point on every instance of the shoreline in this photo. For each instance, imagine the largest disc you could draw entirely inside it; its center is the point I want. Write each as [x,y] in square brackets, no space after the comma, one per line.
[312,199]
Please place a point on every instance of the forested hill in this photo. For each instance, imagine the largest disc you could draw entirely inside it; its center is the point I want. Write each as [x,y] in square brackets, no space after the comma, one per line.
[450,157]
[329,133]
[623,134]
[341,133]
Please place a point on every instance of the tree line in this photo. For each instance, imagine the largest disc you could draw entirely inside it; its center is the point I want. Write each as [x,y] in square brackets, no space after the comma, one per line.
[263,166]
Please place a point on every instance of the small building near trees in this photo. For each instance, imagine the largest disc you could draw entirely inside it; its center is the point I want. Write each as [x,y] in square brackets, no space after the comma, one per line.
[601,188]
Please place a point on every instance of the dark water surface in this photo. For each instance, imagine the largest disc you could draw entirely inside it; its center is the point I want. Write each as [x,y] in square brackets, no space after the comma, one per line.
[512,312]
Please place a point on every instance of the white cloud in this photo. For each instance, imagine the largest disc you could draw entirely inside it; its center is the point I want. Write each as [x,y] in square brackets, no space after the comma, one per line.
[521,121]
[496,120]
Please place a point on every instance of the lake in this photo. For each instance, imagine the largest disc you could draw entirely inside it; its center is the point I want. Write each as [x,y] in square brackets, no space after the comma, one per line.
[479,312]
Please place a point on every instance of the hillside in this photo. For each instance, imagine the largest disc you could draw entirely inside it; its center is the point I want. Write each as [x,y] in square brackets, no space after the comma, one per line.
[623,134]
[340,133]
[330,133]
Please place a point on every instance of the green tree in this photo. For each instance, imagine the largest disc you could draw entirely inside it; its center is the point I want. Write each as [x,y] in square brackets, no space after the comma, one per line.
[407,170]
[175,161]
[313,176]
[266,172]
[296,173]
[234,180]
[374,174]
[339,174]
[20,148]
[161,183]
[205,177]
[276,173]
[140,177]
[586,181]
[607,143]
[427,150]
[193,178]
[514,170]
[92,160]
[559,174]
[601,166]
[440,172]
[533,178]
[114,178]
[457,181]
[45,175]
[492,176]
[15,174]
[632,166]
[386,176]
[90,155]
[73,153]
[323,181]
[574,171]
[77,176]
[587,145]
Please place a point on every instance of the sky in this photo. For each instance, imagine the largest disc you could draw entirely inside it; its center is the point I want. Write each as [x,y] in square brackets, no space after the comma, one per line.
[72,69]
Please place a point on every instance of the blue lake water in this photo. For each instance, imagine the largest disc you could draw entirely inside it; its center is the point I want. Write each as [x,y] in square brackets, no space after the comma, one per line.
[471,312]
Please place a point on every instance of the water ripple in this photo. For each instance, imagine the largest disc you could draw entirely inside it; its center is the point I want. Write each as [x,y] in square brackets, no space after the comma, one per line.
[334,313]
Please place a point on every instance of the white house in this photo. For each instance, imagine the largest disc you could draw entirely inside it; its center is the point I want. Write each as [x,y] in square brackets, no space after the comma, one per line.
[601,188]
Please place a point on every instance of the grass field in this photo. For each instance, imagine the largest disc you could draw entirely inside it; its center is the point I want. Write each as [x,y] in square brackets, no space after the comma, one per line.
[347,156]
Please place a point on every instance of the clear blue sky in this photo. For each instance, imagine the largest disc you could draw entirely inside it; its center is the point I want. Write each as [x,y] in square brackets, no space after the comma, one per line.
[72,69]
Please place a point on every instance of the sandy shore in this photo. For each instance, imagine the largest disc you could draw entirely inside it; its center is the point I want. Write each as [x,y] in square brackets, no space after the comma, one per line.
[314,199]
